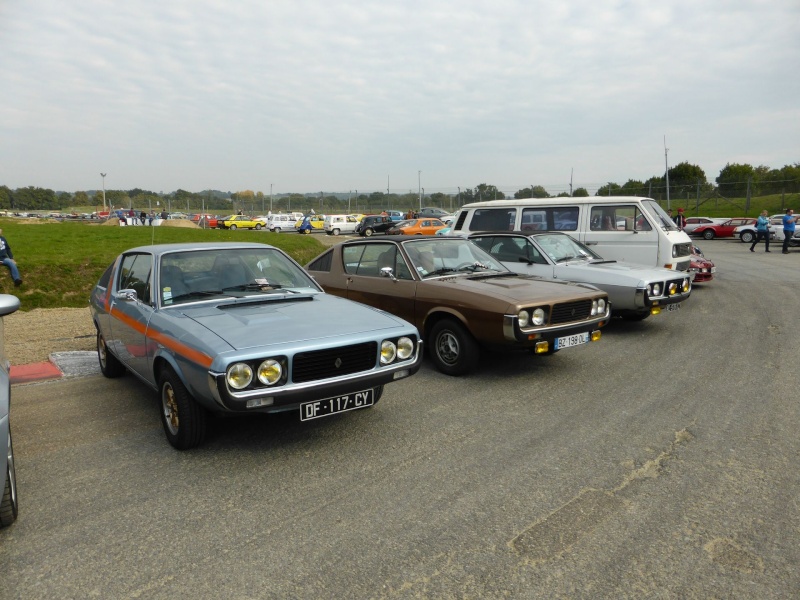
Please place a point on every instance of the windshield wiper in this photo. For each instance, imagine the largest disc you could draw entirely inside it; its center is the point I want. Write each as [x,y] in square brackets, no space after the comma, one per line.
[566,258]
[441,271]
[201,294]
[474,267]
[252,287]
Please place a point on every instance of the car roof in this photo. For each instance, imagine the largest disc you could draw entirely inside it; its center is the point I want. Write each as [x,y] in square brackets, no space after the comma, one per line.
[158,249]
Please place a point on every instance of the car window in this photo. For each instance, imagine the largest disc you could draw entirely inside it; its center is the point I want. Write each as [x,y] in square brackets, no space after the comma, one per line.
[363,259]
[134,274]
[492,219]
[624,217]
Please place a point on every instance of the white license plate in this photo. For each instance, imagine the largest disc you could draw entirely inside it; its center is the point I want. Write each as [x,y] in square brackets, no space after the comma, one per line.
[572,340]
[671,307]
[338,404]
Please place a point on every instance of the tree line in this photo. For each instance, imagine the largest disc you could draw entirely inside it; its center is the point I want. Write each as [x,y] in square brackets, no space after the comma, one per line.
[685,181]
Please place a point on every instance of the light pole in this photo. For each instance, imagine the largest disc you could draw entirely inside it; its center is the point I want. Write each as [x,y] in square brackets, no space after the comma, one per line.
[103,175]
[419,188]
[270,198]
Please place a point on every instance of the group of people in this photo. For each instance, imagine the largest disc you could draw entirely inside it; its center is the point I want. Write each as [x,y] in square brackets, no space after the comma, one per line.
[762,230]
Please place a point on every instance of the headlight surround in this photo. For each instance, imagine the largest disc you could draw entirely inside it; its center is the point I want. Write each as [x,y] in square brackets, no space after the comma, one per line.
[524,318]
[239,375]
[538,317]
[270,372]
[405,348]
[388,352]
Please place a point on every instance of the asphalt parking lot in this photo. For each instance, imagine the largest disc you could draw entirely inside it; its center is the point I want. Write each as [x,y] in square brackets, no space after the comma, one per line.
[658,462]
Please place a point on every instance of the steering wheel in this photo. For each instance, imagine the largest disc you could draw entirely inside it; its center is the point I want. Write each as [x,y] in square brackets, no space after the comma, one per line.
[467,264]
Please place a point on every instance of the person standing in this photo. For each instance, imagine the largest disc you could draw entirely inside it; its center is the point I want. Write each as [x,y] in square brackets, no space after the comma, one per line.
[762,231]
[680,220]
[7,258]
[788,228]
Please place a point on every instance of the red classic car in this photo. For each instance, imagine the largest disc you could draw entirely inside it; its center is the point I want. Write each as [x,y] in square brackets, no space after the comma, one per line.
[710,231]
[701,268]
[205,221]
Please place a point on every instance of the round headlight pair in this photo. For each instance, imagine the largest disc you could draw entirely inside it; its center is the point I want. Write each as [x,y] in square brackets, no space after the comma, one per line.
[240,375]
[402,350]
[536,317]
[599,306]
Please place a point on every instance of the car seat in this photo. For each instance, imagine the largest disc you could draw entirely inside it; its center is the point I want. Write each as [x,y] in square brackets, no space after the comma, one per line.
[229,271]
[172,279]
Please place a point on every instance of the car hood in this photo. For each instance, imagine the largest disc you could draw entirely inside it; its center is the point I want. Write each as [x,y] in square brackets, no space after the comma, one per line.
[513,289]
[275,322]
[614,272]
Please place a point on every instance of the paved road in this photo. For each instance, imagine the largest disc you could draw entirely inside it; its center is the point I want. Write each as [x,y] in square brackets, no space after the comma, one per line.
[657,463]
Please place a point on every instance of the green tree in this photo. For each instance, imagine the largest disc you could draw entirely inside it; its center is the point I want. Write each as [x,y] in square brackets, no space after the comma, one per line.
[580,192]
[535,191]
[488,192]
[5,198]
[610,189]
[732,180]
[81,199]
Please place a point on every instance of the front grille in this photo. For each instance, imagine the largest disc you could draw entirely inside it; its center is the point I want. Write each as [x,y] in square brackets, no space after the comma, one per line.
[571,311]
[333,362]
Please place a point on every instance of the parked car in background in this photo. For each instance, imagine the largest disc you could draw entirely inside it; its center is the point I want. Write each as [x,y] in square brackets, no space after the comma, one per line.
[281,222]
[205,221]
[317,222]
[635,291]
[709,231]
[372,224]
[236,328]
[336,224]
[239,222]
[395,215]
[747,233]
[693,223]
[417,227]
[460,298]
[9,506]
[433,212]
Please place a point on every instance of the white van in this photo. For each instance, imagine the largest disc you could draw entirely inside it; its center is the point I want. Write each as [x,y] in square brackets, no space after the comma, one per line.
[280,222]
[336,224]
[623,228]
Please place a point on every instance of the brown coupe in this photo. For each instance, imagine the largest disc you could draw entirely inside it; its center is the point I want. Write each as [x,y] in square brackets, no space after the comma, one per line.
[460,298]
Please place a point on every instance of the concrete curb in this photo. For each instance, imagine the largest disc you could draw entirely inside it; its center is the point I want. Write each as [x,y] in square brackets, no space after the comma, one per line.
[61,364]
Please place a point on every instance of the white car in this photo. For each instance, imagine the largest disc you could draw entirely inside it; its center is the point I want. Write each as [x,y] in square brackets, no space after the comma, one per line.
[747,233]
[8,501]
[336,224]
[280,222]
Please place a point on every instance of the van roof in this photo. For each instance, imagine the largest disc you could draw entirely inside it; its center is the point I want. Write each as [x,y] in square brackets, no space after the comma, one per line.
[563,200]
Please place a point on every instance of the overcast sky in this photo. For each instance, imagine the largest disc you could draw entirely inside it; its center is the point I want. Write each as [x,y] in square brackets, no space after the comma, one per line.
[315,95]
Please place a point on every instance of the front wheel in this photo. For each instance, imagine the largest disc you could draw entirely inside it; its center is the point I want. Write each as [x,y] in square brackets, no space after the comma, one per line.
[8,504]
[708,234]
[184,420]
[110,366]
[232,227]
[258,227]
[368,231]
[453,349]
[747,237]
[335,232]
[277,230]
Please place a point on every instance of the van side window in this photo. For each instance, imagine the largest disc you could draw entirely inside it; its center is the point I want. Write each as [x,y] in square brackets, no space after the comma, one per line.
[618,218]
[558,218]
[493,219]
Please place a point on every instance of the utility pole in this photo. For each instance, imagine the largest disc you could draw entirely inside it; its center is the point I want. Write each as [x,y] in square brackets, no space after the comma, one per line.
[103,175]
[419,188]
[270,198]
[570,181]
[666,163]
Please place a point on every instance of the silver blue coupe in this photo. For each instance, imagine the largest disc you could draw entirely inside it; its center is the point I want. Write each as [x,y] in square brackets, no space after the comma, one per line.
[635,291]
[239,328]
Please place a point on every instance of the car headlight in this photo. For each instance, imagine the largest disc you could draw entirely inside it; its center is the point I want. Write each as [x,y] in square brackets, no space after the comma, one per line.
[673,288]
[538,317]
[524,318]
[388,352]
[405,348]
[270,372]
[686,285]
[601,306]
[655,289]
[239,376]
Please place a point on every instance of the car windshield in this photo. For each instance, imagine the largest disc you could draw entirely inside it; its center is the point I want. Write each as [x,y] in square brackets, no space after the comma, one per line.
[195,275]
[659,215]
[447,256]
[563,248]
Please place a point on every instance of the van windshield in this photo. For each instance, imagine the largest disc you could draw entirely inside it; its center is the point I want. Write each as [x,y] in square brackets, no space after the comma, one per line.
[659,215]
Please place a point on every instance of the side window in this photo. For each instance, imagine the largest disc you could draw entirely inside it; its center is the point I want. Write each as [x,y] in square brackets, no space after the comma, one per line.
[618,218]
[493,219]
[368,259]
[533,254]
[323,263]
[135,273]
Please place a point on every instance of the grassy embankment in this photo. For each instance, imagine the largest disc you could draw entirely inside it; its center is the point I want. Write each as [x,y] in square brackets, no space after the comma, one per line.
[61,261]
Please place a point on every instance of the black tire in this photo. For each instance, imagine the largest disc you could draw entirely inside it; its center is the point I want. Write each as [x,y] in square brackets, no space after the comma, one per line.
[368,231]
[335,232]
[110,366]
[184,420]
[9,506]
[258,226]
[708,234]
[747,237]
[277,230]
[232,227]
[452,348]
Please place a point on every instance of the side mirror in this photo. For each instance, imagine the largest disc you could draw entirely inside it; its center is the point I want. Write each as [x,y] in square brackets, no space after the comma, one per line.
[127,295]
[387,272]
